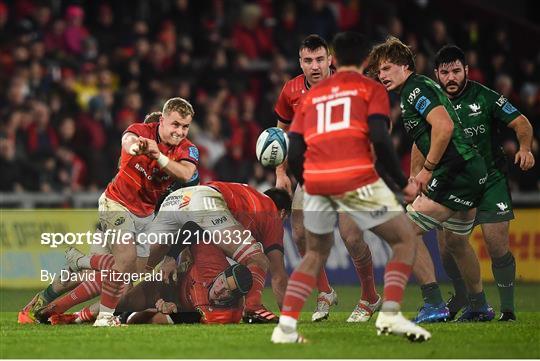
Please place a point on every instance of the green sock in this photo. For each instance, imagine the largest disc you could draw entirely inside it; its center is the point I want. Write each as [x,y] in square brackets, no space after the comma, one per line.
[451,269]
[49,295]
[504,272]
[477,301]
[431,293]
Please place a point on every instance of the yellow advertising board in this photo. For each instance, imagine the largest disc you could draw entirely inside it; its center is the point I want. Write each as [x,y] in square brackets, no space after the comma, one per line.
[524,244]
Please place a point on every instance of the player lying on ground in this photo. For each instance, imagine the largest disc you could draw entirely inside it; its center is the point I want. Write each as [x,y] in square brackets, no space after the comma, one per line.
[452,178]
[348,111]
[316,61]
[205,289]
[482,111]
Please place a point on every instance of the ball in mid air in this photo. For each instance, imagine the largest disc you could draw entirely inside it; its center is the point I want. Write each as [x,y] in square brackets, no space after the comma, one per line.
[272,147]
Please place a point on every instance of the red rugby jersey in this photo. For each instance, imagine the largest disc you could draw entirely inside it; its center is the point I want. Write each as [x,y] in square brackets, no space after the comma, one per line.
[255,211]
[208,262]
[140,181]
[289,98]
[332,118]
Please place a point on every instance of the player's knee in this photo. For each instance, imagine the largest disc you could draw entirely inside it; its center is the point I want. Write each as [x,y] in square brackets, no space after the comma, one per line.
[260,260]
[454,243]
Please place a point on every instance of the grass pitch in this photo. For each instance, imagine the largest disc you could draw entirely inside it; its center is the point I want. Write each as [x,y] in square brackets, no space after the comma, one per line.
[333,338]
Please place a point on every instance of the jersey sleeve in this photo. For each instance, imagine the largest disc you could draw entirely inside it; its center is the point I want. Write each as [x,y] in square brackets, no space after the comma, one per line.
[379,102]
[283,108]
[423,99]
[502,109]
[189,153]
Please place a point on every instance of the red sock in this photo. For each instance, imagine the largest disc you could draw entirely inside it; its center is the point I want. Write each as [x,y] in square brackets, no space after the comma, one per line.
[111,291]
[322,281]
[83,292]
[85,315]
[253,298]
[298,290]
[364,269]
[102,261]
[396,277]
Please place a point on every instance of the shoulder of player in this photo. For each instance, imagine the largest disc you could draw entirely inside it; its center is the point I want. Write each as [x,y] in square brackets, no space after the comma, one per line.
[295,84]
[143,129]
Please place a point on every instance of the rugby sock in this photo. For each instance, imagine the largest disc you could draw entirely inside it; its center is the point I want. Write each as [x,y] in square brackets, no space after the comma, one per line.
[323,285]
[396,277]
[504,272]
[101,261]
[298,290]
[83,292]
[364,270]
[477,301]
[111,291]
[85,315]
[322,282]
[431,293]
[453,273]
[253,298]
[49,294]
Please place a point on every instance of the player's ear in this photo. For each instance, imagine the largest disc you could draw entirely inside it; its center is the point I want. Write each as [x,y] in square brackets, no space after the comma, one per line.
[331,59]
[466,71]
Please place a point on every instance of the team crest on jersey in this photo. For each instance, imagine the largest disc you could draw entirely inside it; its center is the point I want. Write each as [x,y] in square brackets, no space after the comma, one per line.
[475,109]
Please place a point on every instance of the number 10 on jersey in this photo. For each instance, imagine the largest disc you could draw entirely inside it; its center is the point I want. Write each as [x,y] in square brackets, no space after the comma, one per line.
[324,115]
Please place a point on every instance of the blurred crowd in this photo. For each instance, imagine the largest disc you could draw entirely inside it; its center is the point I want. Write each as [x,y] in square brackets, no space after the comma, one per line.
[74,75]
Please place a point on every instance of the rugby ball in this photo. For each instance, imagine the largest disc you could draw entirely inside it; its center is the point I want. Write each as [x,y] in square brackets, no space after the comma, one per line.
[272,147]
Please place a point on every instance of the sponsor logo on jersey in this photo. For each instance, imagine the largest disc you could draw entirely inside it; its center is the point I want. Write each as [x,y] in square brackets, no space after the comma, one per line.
[422,104]
[460,201]
[379,212]
[143,171]
[412,95]
[119,221]
[219,220]
[508,108]
[475,109]
[483,180]
[194,152]
[457,107]
[472,131]
[501,101]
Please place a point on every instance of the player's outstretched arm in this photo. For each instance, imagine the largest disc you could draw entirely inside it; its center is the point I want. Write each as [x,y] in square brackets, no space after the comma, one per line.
[297,148]
[524,133]
[131,144]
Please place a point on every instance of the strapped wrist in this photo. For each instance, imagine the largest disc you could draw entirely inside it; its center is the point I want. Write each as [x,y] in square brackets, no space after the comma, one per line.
[163,160]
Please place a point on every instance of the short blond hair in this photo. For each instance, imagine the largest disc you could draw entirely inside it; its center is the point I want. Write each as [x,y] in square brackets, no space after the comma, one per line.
[393,51]
[180,105]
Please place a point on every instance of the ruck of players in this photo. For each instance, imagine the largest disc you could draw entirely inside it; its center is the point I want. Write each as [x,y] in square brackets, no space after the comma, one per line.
[341,171]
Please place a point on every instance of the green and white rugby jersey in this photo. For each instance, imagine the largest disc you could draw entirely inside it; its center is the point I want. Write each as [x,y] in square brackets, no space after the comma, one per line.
[419,96]
[481,111]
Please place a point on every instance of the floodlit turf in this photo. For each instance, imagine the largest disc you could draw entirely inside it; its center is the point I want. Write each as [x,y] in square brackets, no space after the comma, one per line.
[333,338]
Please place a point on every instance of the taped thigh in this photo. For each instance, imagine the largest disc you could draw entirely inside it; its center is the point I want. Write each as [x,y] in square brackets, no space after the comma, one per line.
[458,226]
[422,220]
[245,251]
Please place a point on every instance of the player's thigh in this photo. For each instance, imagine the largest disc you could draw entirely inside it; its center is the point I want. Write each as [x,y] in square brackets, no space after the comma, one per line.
[125,256]
[427,214]
[297,217]
[320,214]
[396,230]
[349,230]
[319,243]
[496,203]
[496,236]
[370,205]
[460,224]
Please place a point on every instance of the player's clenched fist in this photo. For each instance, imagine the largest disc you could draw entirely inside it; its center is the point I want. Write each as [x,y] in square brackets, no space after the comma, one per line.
[525,159]
[410,192]
[149,147]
